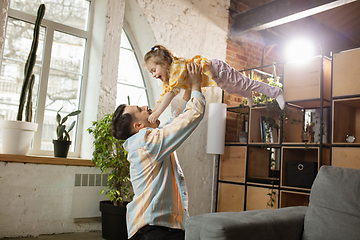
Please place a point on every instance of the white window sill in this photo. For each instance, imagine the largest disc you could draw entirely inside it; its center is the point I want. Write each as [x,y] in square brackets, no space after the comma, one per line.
[46,160]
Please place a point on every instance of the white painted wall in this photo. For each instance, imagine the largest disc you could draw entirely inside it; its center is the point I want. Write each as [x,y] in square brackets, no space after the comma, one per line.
[36,199]
[188,27]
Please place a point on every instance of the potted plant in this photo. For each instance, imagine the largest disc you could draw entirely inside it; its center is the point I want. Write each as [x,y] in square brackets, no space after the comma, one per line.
[62,143]
[18,134]
[110,156]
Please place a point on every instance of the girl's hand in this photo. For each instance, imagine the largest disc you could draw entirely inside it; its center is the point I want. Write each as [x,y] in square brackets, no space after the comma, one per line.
[153,117]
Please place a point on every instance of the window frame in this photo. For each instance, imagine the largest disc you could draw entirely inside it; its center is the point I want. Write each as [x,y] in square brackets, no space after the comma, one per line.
[50,28]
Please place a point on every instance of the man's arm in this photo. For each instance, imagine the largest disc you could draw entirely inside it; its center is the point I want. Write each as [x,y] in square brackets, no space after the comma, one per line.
[166,140]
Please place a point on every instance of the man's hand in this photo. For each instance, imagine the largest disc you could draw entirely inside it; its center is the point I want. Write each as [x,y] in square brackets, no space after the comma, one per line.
[194,76]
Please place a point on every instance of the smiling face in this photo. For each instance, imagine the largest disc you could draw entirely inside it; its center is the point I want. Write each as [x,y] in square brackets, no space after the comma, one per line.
[157,70]
[140,117]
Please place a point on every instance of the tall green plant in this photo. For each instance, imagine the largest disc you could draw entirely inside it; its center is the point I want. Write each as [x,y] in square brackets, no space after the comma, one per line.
[109,155]
[29,77]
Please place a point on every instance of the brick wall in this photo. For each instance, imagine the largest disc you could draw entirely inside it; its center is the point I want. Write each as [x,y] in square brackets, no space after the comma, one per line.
[245,52]
[248,50]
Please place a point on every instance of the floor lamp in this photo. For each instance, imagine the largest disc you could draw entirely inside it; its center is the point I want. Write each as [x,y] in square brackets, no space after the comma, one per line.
[215,139]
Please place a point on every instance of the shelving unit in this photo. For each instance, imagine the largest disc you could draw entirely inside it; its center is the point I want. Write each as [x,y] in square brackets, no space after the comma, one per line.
[346,109]
[265,161]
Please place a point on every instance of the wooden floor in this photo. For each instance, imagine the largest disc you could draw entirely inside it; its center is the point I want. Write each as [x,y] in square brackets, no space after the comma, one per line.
[66,236]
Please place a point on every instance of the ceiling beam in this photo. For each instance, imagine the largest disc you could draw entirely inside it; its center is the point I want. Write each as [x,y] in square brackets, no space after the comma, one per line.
[279,12]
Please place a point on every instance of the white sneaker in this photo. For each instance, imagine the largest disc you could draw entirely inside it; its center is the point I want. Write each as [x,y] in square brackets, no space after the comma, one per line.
[250,101]
[280,100]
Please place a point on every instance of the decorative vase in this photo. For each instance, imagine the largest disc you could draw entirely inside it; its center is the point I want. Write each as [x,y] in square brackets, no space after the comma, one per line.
[113,221]
[61,148]
[17,136]
[243,137]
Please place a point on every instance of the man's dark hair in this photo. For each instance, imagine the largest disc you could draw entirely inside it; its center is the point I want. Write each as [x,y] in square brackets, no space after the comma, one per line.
[121,124]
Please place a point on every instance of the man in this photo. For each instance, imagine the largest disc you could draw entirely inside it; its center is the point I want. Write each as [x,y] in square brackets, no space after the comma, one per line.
[160,205]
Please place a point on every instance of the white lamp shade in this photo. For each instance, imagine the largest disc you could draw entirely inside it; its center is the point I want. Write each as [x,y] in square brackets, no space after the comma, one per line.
[216,128]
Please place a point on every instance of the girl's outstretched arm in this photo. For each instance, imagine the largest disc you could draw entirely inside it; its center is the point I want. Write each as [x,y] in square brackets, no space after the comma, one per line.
[159,108]
[156,106]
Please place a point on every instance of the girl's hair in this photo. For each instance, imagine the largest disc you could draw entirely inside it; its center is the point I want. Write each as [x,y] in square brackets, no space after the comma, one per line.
[161,55]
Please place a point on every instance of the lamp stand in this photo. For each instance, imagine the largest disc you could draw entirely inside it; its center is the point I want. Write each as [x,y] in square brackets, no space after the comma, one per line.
[214,182]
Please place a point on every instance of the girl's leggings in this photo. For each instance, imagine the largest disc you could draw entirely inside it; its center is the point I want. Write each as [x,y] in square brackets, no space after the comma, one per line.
[232,81]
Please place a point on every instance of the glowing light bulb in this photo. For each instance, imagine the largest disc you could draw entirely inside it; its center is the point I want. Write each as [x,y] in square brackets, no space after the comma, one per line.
[299,49]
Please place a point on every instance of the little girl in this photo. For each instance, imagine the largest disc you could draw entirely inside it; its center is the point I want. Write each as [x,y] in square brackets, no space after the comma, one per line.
[172,71]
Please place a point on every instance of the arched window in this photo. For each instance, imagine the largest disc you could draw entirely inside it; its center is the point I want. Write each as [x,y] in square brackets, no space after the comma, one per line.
[131,87]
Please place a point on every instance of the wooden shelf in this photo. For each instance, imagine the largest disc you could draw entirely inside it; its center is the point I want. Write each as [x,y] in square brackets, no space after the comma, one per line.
[46,160]
[293,125]
[258,162]
[291,199]
[346,119]
[305,81]
[232,164]
[346,73]
[292,131]
[257,198]
[296,154]
[256,127]
[310,104]
[230,197]
[348,157]
[235,123]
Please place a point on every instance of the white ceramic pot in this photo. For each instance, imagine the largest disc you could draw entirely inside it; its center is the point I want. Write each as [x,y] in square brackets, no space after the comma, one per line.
[16,136]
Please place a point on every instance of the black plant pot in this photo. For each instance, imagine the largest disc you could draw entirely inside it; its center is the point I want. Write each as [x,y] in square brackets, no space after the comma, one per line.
[113,221]
[61,148]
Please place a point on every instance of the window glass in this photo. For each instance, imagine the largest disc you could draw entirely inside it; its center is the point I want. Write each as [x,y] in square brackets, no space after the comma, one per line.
[63,85]
[74,13]
[16,50]
[58,70]
[130,81]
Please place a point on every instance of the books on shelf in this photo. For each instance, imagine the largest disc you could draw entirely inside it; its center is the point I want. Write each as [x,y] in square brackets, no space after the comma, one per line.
[268,134]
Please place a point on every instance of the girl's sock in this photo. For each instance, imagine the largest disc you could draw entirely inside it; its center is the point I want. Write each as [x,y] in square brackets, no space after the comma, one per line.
[280,100]
[250,101]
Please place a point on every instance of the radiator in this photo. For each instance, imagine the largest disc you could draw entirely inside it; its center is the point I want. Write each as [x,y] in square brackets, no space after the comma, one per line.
[86,198]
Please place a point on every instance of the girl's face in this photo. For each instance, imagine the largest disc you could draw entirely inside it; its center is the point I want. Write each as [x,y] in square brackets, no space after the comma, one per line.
[157,70]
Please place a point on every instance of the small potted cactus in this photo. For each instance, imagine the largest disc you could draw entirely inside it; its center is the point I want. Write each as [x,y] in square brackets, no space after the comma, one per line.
[62,143]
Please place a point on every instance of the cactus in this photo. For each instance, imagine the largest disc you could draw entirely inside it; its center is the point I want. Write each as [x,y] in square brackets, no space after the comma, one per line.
[61,132]
[29,78]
